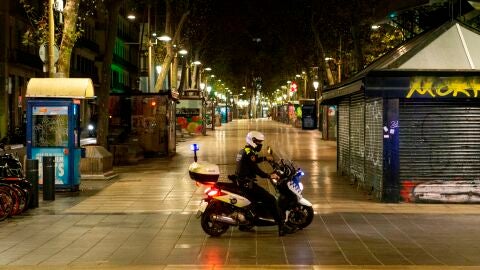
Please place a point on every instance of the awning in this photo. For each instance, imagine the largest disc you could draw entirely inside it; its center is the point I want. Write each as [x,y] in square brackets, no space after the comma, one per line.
[333,95]
[80,88]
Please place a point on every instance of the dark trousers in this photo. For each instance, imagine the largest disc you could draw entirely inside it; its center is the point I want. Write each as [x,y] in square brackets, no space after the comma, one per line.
[258,193]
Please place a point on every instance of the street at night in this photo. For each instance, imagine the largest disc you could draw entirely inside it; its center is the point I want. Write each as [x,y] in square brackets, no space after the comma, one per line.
[145,219]
[253,134]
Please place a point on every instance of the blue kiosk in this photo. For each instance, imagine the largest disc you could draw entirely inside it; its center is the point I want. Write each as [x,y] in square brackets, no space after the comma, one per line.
[53,125]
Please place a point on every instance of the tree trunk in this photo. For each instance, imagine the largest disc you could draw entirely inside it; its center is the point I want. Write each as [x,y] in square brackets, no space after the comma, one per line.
[357,51]
[321,55]
[170,51]
[69,34]
[104,90]
[194,77]
[174,73]
[356,38]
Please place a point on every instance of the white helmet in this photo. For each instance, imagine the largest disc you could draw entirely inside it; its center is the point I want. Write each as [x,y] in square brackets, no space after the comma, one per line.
[255,139]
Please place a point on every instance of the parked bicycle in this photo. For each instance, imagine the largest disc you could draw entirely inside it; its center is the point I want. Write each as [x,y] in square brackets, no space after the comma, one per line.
[15,190]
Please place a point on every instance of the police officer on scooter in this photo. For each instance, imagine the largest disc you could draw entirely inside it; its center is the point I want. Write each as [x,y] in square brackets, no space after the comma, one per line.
[247,170]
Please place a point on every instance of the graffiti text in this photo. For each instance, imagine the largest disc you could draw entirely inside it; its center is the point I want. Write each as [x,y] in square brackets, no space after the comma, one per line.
[440,87]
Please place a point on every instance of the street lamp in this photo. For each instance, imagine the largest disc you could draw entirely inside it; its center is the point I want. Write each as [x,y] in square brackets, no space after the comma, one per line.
[315,86]
[164,38]
[204,117]
[212,101]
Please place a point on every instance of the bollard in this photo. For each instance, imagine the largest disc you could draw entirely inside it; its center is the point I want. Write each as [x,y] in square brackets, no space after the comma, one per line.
[32,177]
[48,178]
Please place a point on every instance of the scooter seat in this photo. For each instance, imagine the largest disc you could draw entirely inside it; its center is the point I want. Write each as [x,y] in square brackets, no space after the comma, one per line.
[228,186]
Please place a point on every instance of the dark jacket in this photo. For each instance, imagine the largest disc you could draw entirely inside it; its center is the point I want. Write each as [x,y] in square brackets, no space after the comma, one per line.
[247,164]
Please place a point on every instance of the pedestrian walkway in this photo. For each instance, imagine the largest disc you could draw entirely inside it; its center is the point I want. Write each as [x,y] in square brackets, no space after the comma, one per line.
[145,219]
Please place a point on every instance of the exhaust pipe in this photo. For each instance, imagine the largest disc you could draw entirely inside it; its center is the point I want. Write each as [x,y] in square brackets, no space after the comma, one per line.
[224,219]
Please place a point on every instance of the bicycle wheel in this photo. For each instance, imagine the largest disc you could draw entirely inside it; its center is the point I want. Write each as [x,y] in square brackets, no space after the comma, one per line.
[6,202]
[15,198]
[26,186]
[22,199]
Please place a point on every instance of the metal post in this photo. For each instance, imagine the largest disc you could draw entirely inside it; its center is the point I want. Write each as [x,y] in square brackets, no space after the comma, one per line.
[316,111]
[32,177]
[226,107]
[48,178]
[213,114]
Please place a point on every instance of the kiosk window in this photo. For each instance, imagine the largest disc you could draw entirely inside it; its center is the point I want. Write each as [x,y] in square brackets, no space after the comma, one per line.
[50,127]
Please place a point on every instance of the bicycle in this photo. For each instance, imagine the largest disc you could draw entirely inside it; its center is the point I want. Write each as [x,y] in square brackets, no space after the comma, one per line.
[6,202]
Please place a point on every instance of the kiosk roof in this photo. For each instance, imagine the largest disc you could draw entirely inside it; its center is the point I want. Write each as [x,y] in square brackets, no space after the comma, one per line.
[60,88]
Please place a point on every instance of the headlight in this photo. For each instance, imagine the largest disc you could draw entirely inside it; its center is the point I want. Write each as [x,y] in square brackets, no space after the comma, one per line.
[90,127]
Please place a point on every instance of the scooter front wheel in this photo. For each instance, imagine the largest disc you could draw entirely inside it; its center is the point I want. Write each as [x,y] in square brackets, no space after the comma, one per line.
[211,226]
[300,216]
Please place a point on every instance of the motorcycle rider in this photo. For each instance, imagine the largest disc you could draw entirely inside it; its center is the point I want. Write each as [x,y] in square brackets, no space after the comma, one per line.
[247,170]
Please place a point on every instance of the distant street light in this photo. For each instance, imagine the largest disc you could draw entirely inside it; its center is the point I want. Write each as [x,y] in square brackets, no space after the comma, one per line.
[164,38]
[315,85]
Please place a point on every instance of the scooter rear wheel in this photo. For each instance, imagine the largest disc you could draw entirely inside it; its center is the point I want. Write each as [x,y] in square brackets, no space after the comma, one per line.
[211,226]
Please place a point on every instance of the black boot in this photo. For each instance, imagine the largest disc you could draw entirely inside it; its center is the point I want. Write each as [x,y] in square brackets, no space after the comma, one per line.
[285,229]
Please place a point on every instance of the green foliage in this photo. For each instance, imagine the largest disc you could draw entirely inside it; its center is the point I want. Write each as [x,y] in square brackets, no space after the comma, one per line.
[382,41]
[37,31]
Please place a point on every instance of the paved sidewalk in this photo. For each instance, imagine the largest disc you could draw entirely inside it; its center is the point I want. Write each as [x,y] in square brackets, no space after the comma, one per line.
[144,219]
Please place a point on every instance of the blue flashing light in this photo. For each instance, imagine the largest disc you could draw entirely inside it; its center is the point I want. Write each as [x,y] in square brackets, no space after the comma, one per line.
[194,147]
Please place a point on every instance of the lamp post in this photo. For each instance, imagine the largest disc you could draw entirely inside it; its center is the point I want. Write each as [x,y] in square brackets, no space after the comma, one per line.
[226,106]
[315,86]
[204,109]
[212,101]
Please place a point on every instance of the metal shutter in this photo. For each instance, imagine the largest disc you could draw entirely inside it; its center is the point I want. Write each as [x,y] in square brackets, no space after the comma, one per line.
[374,146]
[357,138]
[343,137]
[439,140]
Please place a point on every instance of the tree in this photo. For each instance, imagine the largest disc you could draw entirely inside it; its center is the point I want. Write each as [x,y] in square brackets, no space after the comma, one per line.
[69,32]
[110,19]
[170,52]
[69,36]
[66,33]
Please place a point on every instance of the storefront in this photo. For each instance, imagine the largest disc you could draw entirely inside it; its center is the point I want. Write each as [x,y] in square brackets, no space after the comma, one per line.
[145,121]
[409,124]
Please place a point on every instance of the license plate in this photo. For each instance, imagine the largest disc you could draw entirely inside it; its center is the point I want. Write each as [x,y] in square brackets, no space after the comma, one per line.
[201,208]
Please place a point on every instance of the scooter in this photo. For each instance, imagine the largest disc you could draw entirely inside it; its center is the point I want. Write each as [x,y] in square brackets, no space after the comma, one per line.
[227,204]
